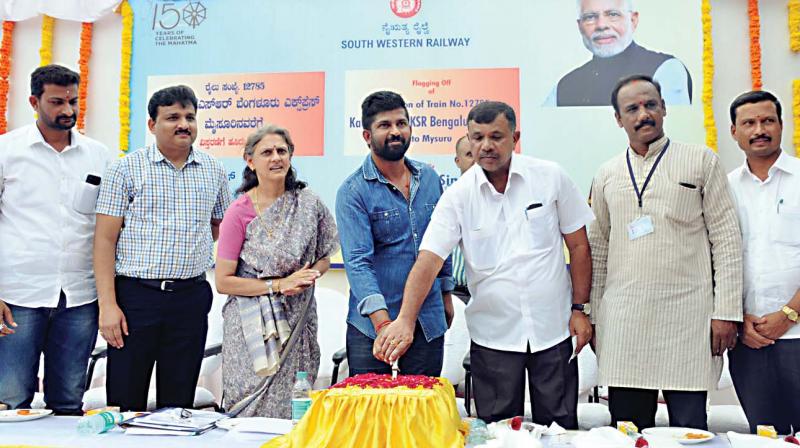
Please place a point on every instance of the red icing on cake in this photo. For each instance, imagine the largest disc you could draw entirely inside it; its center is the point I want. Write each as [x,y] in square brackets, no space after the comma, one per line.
[374,381]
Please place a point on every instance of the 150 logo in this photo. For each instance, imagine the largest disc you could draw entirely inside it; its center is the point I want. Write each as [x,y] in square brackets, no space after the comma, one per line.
[169,15]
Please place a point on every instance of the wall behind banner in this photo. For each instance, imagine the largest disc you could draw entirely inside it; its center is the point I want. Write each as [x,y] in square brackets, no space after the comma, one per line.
[539,38]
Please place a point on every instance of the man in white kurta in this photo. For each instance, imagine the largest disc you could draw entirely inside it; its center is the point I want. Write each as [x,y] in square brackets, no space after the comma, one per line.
[765,366]
[667,273]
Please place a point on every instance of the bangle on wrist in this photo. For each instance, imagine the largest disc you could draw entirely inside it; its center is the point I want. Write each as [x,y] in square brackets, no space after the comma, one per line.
[380,326]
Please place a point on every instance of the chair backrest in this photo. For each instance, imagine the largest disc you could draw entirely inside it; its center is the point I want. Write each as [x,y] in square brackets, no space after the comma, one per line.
[332,318]
[456,345]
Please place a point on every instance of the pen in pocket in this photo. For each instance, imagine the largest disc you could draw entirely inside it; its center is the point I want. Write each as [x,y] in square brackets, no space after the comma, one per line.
[533,206]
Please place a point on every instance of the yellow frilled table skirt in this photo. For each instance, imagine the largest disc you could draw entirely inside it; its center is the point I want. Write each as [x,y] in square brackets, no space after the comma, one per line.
[381,418]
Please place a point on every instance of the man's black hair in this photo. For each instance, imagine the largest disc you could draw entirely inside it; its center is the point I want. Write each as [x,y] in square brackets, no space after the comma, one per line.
[755,96]
[52,74]
[627,80]
[169,96]
[378,102]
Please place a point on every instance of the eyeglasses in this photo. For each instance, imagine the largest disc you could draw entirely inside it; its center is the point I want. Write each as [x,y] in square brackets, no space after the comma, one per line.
[611,15]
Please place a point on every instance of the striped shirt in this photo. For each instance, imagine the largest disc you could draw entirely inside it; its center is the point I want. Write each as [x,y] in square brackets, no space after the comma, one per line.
[654,296]
[459,271]
[166,233]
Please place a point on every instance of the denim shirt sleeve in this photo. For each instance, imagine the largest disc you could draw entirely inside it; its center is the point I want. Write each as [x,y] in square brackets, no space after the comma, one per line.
[358,250]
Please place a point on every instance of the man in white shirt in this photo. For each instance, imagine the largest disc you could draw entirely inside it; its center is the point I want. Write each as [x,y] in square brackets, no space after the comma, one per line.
[510,217]
[46,247]
[765,367]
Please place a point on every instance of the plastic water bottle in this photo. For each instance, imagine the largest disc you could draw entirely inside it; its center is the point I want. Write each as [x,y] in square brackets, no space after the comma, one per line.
[301,398]
[98,423]
[478,433]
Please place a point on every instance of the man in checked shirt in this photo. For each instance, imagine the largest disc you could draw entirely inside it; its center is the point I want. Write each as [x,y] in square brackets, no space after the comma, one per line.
[157,217]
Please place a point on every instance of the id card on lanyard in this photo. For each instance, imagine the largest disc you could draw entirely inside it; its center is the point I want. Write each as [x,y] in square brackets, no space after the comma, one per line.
[643,225]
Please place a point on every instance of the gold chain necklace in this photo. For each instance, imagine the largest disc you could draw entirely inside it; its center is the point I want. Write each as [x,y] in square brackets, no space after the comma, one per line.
[258,210]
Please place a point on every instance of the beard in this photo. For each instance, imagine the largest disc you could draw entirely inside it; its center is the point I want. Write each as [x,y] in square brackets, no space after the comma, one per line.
[387,152]
[607,51]
[60,123]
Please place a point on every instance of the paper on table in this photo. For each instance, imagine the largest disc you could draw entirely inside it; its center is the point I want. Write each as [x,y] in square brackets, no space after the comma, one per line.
[605,437]
[753,441]
[264,425]
[138,431]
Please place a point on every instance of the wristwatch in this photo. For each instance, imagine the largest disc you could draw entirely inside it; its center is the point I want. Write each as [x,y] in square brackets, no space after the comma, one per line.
[269,287]
[790,314]
[585,308]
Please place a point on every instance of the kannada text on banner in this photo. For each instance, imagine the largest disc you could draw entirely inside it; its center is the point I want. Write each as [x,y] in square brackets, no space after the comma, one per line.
[438,102]
[232,106]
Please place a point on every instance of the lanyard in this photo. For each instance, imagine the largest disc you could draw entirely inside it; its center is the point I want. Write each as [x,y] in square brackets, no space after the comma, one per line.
[639,194]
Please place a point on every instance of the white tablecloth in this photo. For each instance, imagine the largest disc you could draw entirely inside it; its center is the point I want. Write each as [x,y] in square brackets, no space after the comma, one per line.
[61,432]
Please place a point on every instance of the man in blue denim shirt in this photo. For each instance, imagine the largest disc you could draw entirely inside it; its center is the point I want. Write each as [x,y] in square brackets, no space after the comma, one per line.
[382,211]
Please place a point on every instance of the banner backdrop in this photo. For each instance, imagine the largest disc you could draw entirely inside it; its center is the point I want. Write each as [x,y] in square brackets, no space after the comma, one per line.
[307,65]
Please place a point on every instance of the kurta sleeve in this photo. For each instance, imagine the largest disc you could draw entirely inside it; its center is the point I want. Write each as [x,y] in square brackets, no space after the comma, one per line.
[725,240]
[599,231]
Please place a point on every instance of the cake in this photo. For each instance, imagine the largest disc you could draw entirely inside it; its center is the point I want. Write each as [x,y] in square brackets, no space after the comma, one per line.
[371,410]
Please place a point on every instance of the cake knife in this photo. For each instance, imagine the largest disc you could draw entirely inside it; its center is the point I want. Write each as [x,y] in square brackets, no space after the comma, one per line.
[395,369]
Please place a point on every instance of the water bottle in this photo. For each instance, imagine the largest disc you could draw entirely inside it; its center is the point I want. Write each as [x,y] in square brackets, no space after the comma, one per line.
[98,423]
[301,398]
[478,433]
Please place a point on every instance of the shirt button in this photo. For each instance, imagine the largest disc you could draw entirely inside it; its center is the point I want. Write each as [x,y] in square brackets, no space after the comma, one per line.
[385,214]
[415,234]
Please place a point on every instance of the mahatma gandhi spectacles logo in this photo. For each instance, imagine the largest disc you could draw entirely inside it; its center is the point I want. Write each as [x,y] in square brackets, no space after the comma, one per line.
[174,23]
[405,8]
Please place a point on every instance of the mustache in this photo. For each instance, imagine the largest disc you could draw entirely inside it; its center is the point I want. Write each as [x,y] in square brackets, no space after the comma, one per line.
[66,117]
[764,136]
[643,123]
[183,131]
[604,34]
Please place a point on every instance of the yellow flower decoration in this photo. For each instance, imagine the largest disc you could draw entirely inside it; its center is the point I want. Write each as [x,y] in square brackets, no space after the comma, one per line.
[796,113]
[83,64]
[794,25]
[46,50]
[708,78]
[125,77]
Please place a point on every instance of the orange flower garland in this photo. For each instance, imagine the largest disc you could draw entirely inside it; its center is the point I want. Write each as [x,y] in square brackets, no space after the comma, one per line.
[708,78]
[125,77]
[5,72]
[755,43]
[46,51]
[83,64]
[794,25]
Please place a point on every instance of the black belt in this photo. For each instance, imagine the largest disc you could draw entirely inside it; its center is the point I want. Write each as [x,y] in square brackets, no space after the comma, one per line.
[168,285]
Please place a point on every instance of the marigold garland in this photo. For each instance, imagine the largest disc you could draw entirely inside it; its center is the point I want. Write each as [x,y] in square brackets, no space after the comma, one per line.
[125,77]
[755,43]
[5,71]
[46,50]
[83,65]
[796,113]
[708,78]
[794,25]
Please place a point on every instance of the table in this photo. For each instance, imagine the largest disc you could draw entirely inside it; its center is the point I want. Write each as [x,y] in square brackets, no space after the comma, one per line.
[61,432]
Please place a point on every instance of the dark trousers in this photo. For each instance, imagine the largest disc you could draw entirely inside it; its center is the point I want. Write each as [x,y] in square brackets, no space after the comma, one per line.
[498,379]
[685,408]
[165,328]
[422,358]
[767,382]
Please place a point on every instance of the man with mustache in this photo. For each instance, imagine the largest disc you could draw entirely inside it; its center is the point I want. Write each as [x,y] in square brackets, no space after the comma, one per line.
[667,266]
[606,28]
[511,216]
[382,211]
[158,215]
[45,257]
[765,366]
